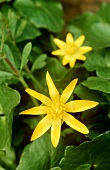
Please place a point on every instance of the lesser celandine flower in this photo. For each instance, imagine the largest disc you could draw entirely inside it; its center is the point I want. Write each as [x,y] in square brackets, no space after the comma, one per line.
[71,50]
[56,109]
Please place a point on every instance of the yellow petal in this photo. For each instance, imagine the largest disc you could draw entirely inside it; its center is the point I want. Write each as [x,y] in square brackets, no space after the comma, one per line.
[69,38]
[68,91]
[55,132]
[36,110]
[53,92]
[81,57]
[75,124]
[79,105]
[80,41]
[59,43]
[41,128]
[44,99]
[65,60]
[58,52]
[72,61]
[85,49]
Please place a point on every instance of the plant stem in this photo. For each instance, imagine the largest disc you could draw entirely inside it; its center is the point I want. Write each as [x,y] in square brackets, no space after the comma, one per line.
[39,87]
[36,82]
[23,82]
[20,77]
[11,66]
[26,86]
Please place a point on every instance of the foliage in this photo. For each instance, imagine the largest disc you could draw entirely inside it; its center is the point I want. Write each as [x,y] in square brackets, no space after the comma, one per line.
[27,30]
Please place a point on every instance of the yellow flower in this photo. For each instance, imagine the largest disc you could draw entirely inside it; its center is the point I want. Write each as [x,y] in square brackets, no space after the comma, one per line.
[56,108]
[71,50]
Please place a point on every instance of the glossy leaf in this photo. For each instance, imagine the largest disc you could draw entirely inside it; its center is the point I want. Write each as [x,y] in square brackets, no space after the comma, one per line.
[103,73]
[98,35]
[26,31]
[44,155]
[42,14]
[89,155]
[9,98]
[103,12]
[107,58]
[94,61]
[96,83]
[78,27]
[88,94]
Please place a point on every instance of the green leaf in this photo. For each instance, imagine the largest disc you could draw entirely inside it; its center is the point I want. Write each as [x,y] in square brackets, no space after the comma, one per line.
[42,14]
[7,158]
[94,27]
[26,31]
[107,95]
[72,73]
[10,29]
[2,156]
[1,168]
[3,132]
[41,155]
[98,35]
[56,70]
[15,52]
[5,76]
[82,23]
[89,155]
[88,94]
[25,54]
[107,57]
[56,168]
[9,55]
[103,73]
[39,62]
[12,22]
[104,11]
[94,61]
[9,98]
[97,123]
[96,83]
[1,110]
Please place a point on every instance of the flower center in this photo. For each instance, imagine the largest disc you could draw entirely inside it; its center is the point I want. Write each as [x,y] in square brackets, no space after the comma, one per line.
[57,109]
[71,49]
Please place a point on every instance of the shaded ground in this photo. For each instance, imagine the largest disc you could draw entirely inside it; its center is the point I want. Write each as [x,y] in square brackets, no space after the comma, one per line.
[74,8]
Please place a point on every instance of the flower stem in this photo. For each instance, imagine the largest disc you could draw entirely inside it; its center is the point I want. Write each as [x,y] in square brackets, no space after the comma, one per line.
[36,82]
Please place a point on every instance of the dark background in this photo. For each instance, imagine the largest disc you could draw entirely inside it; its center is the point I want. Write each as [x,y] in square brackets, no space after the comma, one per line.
[74,8]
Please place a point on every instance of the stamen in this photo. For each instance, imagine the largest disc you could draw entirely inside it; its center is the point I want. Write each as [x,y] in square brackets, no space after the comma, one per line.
[57,109]
[71,49]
